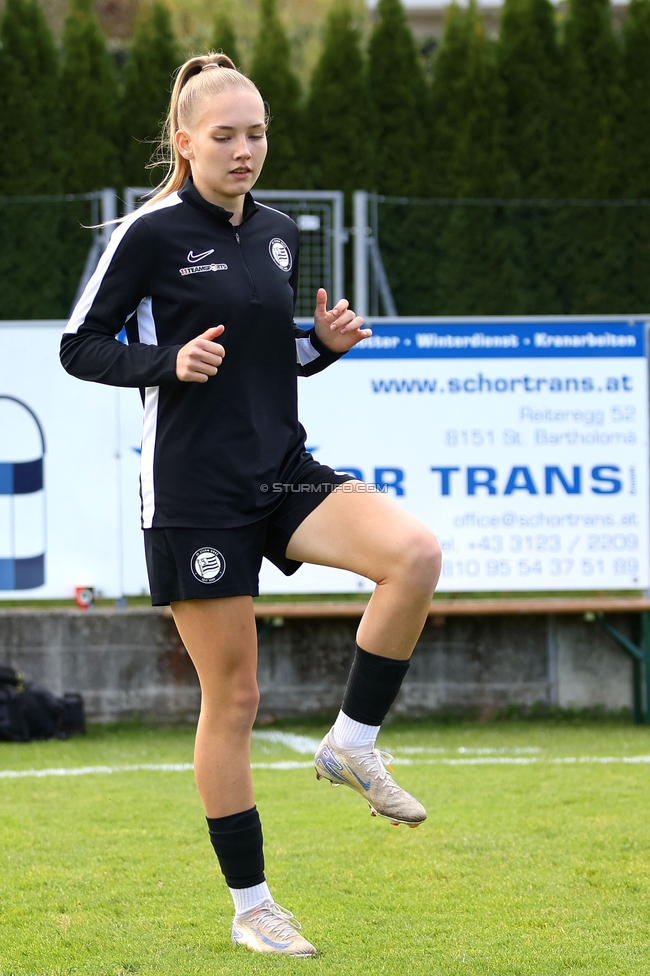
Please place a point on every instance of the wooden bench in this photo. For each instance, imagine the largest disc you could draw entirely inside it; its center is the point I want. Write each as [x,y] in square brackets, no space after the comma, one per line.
[592,608]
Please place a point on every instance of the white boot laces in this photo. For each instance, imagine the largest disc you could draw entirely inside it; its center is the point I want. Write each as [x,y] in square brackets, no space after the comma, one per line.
[375,762]
[277,919]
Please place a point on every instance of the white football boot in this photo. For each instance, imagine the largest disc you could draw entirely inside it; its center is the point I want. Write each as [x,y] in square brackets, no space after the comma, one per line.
[271,928]
[364,770]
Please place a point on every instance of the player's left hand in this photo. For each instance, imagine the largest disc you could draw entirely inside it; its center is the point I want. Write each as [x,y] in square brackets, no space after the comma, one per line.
[339,329]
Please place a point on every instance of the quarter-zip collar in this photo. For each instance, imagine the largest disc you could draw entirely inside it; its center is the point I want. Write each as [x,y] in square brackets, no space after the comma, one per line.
[190,194]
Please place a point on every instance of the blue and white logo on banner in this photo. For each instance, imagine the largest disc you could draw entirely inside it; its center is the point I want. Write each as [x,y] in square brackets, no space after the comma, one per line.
[22,501]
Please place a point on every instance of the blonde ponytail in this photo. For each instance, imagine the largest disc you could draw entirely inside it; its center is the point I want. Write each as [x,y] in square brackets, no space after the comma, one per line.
[207,74]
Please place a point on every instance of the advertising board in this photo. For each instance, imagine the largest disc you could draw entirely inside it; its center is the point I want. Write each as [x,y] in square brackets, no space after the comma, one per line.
[78,523]
[522,443]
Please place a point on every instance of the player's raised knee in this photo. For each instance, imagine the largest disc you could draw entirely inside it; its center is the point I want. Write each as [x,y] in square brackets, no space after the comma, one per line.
[422,557]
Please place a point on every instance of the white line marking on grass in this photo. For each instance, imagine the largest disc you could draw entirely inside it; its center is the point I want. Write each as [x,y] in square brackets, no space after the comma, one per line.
[90,770]
[602,759]
[290,764]
[303,744]
[306,745]
[416,750]
[141,767]
[464,751]
[520,760]
[489,752]
[474,761]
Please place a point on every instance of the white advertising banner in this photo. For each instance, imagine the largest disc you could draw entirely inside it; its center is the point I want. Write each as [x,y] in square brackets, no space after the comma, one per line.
[72,518]
[522,443]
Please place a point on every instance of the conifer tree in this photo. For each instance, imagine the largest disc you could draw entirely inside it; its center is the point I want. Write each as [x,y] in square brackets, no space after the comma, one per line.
[592,100]
[338,109]
[479,268]
[636,108]
[448,101]
[398,97]
[30,163]
[636,147]
[29,121]
[591,160]
[272,73]
[399,101]
[224,38]
[153,58]
[529,63]
[89,104]
[468,101]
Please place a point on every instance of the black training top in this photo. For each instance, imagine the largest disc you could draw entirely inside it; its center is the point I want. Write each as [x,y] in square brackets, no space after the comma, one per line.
[171,271]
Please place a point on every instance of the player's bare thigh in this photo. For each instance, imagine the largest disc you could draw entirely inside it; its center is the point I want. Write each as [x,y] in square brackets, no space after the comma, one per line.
[366,532]
[221,638]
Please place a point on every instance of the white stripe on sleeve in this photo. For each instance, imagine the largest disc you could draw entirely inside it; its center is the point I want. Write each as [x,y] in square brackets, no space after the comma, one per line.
[84,304]
[305,351]
[147,334]
[147,456]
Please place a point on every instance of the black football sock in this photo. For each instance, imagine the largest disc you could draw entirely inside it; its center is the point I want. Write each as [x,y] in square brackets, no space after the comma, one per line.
[372,687]
[237,841]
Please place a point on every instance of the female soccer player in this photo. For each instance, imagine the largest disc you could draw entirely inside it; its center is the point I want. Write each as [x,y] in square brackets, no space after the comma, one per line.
[205,281]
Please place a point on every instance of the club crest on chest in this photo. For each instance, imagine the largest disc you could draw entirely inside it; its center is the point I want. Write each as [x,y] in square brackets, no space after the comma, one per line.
[281,254]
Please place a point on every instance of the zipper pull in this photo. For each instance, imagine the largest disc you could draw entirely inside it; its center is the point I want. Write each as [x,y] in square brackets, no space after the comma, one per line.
[237,236]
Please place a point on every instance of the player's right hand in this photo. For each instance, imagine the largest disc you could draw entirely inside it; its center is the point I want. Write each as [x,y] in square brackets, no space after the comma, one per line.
[200,358]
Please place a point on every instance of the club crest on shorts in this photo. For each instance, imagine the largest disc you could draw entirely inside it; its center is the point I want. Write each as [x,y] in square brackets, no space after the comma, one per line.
[281,254]
[207,565]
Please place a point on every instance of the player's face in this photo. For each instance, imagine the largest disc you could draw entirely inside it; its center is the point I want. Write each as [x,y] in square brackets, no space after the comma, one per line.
[227,144]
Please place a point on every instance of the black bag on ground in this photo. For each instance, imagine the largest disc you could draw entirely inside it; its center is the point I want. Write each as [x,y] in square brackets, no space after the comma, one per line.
[74,717]
[43,712]
[13,724]
[32,712]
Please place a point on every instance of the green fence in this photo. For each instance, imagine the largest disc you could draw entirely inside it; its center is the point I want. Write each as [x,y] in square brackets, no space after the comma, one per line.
[441,257]
[44,246]
[513,257]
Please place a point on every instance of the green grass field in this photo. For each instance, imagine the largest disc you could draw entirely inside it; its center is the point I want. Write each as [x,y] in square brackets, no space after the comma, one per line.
[535,858]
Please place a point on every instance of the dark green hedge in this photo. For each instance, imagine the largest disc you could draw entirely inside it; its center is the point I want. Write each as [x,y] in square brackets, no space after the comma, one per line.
[502,258]
[43,250]
[557,107]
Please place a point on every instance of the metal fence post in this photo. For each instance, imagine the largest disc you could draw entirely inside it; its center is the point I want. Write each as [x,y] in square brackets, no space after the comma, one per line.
[107,199]
[361,252]
[109,212]
[645,644]
[338,269]
[639,655]
[133,195]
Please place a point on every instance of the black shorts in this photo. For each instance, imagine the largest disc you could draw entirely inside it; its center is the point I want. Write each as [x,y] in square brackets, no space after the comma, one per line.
[198,564]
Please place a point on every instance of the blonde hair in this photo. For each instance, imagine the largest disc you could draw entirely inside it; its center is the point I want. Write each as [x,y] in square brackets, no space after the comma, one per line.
[207,74]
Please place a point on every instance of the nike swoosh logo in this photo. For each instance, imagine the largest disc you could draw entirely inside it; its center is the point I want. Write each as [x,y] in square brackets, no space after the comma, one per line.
[366,786]
[193,258]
